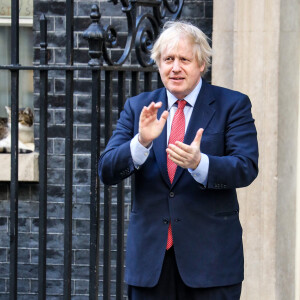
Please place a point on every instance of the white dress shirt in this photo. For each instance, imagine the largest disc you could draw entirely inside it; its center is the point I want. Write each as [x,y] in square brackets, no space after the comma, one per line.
[140,154]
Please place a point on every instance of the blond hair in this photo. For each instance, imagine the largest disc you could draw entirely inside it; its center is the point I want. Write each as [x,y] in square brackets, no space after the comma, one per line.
[173,32]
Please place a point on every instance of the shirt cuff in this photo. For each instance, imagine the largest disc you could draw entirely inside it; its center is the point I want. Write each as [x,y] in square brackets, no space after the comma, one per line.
[201,172]
[139,153]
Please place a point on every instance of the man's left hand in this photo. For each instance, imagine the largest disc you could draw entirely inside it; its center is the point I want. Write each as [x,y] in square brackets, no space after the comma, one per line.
[186,156]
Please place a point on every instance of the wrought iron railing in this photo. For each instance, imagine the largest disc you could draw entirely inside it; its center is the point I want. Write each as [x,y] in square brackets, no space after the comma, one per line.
[143,28]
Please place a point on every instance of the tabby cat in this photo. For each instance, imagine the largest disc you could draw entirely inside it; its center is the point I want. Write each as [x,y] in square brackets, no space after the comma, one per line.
[26,140]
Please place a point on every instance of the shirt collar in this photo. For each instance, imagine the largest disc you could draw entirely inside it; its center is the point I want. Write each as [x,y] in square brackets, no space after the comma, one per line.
[190,98]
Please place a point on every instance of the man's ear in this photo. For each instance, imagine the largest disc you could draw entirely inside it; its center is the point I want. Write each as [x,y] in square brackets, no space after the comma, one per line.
[202,67]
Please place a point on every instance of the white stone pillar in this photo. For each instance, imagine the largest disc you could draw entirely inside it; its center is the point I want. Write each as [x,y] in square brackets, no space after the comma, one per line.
[287,254]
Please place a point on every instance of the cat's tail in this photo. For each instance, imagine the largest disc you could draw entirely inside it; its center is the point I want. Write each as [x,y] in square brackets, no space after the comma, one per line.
[25,151]
[8,150]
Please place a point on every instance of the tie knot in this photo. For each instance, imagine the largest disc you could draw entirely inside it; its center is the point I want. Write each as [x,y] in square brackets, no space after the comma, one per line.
[181,104]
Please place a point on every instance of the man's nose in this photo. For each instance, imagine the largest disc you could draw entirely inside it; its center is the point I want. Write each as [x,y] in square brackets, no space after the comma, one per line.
[176,66]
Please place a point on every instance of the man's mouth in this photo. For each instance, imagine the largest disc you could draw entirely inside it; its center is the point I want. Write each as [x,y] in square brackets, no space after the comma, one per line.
[176,78]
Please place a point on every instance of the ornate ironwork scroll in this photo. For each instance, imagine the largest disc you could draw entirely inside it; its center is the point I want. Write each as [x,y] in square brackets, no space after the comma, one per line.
[143,29]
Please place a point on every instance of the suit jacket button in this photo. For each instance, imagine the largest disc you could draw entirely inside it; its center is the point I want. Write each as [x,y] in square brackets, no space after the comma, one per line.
[172,195]
[166,221]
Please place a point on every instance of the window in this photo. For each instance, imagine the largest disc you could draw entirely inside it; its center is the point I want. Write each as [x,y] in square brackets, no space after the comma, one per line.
[26,53]
[28,163]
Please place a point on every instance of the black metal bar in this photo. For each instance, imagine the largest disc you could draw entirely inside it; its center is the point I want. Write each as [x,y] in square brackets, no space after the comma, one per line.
[107,193]
[134,88]
[14,151]
[68,152]
[95,36]
[69,31]
[159,82]
[43,162]
[14,32]
[147,81]
[68,185]
[14,185]
[79,67]
[120,204]
[95,198]
[121,91]
[150,3]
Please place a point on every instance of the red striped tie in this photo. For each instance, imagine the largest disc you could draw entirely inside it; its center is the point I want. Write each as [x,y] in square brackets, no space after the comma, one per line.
[177,134]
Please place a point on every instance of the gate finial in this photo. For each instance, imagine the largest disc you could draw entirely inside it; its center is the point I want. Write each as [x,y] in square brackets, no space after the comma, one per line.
[95,34]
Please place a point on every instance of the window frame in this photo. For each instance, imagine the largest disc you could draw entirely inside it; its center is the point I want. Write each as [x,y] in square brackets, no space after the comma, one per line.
[28,163]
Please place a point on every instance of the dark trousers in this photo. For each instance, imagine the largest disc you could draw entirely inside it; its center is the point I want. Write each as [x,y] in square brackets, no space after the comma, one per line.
[171,287]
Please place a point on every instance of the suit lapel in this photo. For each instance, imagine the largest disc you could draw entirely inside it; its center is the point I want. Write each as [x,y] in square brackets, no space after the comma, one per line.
[201,115]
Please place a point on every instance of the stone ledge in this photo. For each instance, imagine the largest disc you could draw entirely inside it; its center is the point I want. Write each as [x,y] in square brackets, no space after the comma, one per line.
[28,167]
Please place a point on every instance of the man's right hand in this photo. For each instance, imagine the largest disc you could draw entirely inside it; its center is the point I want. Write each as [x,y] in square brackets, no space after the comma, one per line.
[149,126]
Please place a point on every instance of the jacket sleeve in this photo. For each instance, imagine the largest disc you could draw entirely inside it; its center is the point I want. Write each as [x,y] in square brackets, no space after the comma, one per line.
[239,165]
[115,162]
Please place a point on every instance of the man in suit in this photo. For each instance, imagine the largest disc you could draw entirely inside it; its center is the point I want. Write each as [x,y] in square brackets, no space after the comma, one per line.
[190,145]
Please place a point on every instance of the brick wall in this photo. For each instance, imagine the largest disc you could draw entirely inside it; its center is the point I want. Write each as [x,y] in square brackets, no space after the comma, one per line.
[197,12]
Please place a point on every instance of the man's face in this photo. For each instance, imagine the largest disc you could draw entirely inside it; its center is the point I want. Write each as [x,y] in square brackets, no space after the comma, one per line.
[179,69]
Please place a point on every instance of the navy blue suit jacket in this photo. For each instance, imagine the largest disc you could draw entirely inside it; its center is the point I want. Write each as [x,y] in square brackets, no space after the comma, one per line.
[205,220]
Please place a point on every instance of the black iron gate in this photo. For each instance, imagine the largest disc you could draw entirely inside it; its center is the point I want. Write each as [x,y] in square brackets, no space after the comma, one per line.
[143,28]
